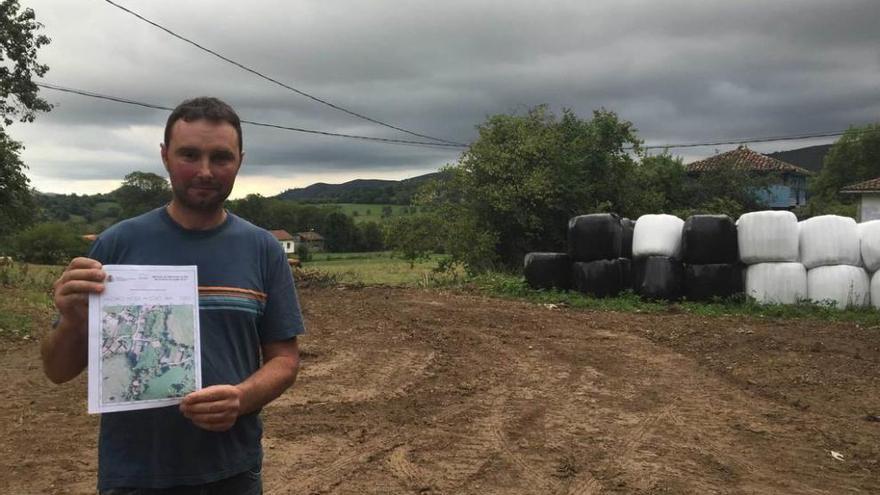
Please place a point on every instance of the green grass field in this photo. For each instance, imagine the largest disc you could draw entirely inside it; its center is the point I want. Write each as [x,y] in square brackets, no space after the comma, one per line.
[377,269]
[361,212]
[25,302]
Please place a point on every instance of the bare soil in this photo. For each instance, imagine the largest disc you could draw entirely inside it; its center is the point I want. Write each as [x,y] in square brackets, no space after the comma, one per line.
[412,391]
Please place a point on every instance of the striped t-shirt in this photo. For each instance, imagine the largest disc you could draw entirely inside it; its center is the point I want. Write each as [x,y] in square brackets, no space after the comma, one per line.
[246,298]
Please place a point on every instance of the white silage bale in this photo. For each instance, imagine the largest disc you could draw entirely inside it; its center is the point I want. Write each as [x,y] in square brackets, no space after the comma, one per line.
[767,236]
[875,290]
[776,283]
[657,235]
[869,243]
[844,286]
[829,240]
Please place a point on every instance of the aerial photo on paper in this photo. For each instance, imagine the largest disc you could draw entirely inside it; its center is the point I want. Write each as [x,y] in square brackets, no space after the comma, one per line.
[147,352]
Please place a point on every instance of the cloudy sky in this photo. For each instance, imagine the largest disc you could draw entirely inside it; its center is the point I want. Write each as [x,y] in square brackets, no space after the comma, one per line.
[681,71]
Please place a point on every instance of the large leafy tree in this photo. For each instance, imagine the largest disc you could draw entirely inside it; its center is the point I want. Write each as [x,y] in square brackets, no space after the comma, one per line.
[515,188]
[141,192]
[855,157]
[17,206]
[19,100]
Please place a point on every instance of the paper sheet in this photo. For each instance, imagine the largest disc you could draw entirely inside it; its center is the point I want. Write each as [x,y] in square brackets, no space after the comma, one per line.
[144,348]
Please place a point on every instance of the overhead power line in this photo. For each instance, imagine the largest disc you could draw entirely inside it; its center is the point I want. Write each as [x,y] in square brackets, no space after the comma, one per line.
[279,83]
[127,101]
[763,139]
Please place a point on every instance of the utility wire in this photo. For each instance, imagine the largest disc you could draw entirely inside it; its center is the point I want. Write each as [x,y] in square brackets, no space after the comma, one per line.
[794,137]
[279,83]
[765,139]
[117,99]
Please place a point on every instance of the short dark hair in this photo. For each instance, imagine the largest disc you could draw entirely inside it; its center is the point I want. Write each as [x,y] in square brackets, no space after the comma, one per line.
[204,107]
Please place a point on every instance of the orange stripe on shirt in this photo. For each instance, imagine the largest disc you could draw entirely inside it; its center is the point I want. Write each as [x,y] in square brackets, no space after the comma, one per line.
[232,290]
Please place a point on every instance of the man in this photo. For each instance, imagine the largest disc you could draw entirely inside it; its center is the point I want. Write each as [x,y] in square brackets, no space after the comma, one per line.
[247,309]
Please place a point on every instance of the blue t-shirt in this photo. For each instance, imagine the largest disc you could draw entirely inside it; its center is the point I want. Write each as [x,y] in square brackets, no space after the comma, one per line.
[246,298]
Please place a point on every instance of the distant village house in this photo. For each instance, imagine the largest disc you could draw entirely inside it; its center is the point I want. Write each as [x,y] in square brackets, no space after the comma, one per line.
[869,200]
[313,240]
[287,241]
[788,188]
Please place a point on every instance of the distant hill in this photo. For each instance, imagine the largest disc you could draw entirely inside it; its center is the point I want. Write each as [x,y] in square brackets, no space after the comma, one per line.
[371,191]
[809,158]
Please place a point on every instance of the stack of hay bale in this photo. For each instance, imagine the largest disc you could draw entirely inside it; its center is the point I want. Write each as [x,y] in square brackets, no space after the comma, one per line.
[711,258]
[830,251]
[656,263]
[595,244]
[869,246]
[768,245]
[547,270]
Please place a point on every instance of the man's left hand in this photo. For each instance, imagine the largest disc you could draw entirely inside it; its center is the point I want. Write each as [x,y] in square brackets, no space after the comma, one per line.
[213,408]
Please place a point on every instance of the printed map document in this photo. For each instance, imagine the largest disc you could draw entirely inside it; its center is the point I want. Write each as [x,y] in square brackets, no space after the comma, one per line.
[144,347]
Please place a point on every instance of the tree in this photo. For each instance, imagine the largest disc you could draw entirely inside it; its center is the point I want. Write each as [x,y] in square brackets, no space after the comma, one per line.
[525,176]
[16,200]
[19,99]
[659,185]
[340,233]
[48,244]
[141,192]
[855,157]
[371,237]
[414,237]
[18,48]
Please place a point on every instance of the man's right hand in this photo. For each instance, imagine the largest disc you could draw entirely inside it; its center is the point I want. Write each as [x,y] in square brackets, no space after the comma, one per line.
[81,277]
[65,350]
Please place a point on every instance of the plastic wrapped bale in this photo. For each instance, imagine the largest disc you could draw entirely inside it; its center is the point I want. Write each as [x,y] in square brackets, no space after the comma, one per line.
[875,290]
[626,282]
[600,278]
[704,282]
[776,283]
[869,244]
[548,270]
[594,237]
[657,235]
[767,236]
[626,243]
[709,239]
[657,277]
[829,240]
[842,286]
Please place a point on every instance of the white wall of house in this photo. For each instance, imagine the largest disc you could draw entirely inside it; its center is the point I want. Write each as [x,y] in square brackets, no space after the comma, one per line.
[869,207]
[289,246]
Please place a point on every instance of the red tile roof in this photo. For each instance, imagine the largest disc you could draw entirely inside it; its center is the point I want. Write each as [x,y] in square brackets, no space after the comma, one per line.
[743,158]
[310,236]
[281,235]
[872,185]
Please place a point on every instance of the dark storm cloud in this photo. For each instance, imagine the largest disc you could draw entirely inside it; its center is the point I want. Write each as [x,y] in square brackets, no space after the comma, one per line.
[681,71]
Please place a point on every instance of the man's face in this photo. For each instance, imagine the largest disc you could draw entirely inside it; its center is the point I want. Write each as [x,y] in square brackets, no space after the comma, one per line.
[202,159]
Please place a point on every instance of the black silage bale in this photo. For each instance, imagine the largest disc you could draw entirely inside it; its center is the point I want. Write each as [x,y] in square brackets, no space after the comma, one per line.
[548,270]
[626,281]
[600,278]
[626,240]
[709,239]
[704,282]
[594,237]
[657,277]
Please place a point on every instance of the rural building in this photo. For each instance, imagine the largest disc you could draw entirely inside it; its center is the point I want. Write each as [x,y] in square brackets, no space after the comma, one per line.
[869,202]
[286,240]
[313,240]
[788,189]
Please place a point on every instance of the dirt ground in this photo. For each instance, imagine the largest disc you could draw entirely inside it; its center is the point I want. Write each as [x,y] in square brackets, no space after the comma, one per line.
[412,391]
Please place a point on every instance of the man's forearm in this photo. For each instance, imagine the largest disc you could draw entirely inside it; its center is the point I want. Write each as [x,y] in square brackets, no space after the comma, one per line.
[65,352]
[275,376]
